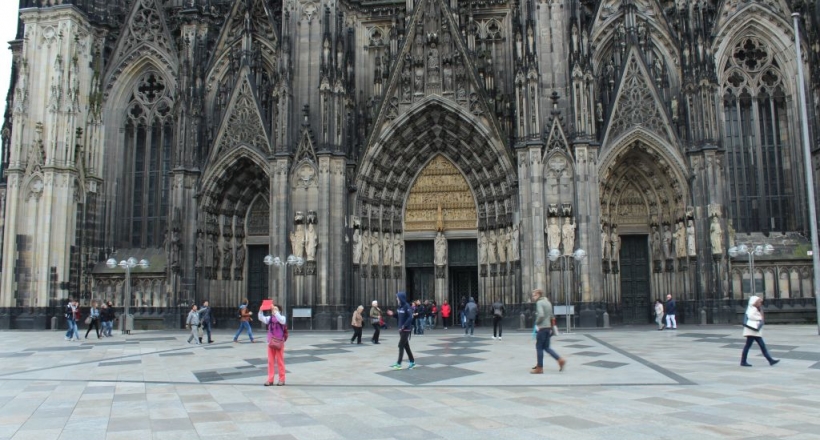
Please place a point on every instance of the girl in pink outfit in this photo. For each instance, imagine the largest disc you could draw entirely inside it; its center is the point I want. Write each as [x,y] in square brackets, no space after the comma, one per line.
[276,329]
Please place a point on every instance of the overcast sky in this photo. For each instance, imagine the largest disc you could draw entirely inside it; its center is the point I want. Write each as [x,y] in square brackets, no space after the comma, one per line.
[8,29]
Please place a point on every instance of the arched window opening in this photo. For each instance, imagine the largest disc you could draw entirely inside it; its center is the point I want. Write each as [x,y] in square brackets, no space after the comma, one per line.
[756,137]
[148,143]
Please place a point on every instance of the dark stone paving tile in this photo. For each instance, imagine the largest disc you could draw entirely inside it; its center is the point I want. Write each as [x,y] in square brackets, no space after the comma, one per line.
[816,366]
[605,364]
[14,355]
[128,424]
[133,397]
[257,361]
[571,422]
[424,375]
[403,412]
[301,360]
[578,346]
[179,353]
[411,432]
[240,407]
[702,335]
[798,355]
[155,339]
[219,347]
[66,348]
[589,353]
[274,437]
[181,424]
[108,344]
[709,419]
[292,420]
[115,363]
[449,360]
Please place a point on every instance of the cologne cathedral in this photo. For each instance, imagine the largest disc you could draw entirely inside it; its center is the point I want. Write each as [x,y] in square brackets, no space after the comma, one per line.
[328,153]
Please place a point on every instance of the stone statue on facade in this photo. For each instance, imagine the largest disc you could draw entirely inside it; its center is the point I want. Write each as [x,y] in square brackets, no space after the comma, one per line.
[398,250]
[491,241]
[387,247]
[376,249]
[731,230]
[680,240]
[667,242]
[482,248]
[311,242]
[554,234]
[605,247]
[568,235]
[200,249]
[357,246]
[716,236]
[174,249]
[501,245]
[616,243]
[515,236]
[440,250]
[691,249]
[297,241]
[227,254]
[365,248]
[656,244]
[240,255]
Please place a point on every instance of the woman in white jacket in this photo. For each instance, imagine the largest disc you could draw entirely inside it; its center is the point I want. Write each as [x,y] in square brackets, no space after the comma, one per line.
[753,331]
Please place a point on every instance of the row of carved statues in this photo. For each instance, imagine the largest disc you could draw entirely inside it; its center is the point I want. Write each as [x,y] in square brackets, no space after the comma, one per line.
[561,233]
[372,248]
[209,254]
[499,245]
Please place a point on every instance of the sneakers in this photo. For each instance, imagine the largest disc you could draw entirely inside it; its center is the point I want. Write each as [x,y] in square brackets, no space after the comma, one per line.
[774,362]
[499,338]
[396,366]
[493,338]
[411,366]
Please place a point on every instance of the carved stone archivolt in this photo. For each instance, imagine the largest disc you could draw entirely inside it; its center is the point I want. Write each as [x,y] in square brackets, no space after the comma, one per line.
[440,187]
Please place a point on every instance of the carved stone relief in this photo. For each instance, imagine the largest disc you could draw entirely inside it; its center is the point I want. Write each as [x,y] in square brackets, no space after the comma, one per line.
[440,185]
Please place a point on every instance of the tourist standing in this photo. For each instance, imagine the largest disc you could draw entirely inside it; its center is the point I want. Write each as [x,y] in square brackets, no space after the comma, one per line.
[206,319]
[470,313]
[193,323]
[357,323]
[277,335]
[671,322]
[445,313]
[498,317]
[419,317]
[71,318]
[659,314]
[110,316]
[244,321]
[543,326]
[753,331]
[433,314]
[375,321]
[405,316]
[93,320]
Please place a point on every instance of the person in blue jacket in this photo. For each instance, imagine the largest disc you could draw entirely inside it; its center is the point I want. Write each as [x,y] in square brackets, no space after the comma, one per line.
[405,316]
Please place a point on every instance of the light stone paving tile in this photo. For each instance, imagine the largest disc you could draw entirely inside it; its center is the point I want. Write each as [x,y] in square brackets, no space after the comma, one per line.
[129,435]
[176,435]
[42,434]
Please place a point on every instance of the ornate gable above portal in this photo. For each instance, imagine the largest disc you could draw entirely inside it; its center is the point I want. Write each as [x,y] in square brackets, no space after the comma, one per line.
[242,124]
[258,20]
[557,139]
[305,162]
[434,60]
[638,104]
[440,186]
[145,32]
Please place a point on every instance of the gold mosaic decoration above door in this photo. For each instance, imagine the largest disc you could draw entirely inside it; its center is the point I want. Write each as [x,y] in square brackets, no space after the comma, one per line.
[440,187]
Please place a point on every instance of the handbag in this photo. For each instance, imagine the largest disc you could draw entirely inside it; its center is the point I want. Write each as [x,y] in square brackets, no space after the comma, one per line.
[752,324]
[88,320]
[276,343]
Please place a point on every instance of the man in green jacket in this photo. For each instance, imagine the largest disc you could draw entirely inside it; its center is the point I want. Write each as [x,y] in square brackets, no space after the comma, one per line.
[543,324]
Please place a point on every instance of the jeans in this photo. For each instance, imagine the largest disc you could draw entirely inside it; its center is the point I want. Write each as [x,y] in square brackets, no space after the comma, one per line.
[376,331]
[470,326]
[419,325]
[243,325]
[497,324]
[404,345]
[206,327]
[749,341]
[542,344]
[72,332]
[462,319]
[431,322]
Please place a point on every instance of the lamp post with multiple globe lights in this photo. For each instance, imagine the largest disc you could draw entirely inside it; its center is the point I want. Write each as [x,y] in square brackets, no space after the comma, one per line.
[752,252]
[578,255]
[292,260]
[128,265]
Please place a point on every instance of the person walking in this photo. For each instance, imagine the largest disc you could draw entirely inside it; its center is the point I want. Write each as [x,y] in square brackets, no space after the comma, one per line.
[93,320]
[206,319]
[543,326]
[244,321]
[671,322]
[433,318]
[659,314]
[498,317]
[419,317]
[193,323]
[277,335]
[753,331]
[357,323]
[445,313]
[71,317]
[375,321]
[404,315]
[470,313]
[110,316]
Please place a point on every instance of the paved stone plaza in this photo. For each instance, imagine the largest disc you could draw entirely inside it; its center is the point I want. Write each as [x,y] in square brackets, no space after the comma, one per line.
[628,383]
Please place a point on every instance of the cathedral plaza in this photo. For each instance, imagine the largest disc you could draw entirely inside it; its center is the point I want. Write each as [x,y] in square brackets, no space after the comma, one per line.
[625,383]
[330,153]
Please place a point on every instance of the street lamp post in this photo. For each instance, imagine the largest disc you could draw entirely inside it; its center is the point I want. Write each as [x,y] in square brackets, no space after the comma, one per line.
[578,255]
[752,252]
[128,264]
[292,260]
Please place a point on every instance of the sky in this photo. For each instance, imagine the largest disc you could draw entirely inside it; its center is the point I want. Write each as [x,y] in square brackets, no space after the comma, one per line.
[8,30]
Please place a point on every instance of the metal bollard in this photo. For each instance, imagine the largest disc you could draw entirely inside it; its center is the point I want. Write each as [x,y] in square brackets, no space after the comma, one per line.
[702,316]
[606,320]
[522,322]
[54,323]
[340,323]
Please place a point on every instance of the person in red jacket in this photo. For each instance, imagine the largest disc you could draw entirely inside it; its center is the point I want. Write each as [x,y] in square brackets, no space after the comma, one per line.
[445,313]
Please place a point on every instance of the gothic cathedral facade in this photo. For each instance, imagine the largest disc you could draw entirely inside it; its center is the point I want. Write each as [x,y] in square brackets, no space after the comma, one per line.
[328,153]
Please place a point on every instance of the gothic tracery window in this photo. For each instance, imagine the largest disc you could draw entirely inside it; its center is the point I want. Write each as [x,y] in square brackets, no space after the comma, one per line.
[756,138]
[148,136]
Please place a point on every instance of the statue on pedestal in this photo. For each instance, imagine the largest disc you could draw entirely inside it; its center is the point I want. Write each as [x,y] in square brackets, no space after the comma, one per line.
[398,250]
[501,245]
[553,234]
[482,248]
[514,253]
[376,248]
[667,242]
[440,250]
[691,249]
[357,246]
[716,236]
[568,235]
[311,242]
[605,247]
[616,243]
[365,248]
[387,247]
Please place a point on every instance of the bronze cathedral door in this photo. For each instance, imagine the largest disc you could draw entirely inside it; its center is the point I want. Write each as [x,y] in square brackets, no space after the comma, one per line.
[635,286]
[257,276]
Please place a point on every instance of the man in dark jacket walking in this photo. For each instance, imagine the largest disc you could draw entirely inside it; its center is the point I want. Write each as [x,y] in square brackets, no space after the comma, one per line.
[671,322]
[471,312]
[405,316]
[498,316]
[206,320]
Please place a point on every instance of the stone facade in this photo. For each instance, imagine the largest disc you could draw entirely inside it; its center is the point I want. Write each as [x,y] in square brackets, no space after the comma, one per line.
[444,147]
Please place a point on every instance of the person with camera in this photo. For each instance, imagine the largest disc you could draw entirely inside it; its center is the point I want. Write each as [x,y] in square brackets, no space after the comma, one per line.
[277,335]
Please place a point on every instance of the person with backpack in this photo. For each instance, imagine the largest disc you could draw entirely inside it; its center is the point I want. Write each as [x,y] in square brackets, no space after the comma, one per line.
[277,335]
[498,317]
[470,313]
[244,321]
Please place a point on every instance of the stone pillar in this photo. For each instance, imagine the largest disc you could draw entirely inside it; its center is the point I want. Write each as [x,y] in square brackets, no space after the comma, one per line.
[280,225]
[531,202]
[588,218]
